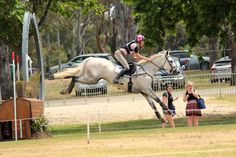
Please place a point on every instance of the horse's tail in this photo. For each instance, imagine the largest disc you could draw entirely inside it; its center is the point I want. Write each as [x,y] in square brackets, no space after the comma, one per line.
[76,71]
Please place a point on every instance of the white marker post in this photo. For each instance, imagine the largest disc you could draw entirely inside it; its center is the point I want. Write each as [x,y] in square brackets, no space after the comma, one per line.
[14,92]
[18,67]
[88,129]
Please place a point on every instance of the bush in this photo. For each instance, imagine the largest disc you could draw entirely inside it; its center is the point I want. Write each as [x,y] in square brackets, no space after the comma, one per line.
[39,127]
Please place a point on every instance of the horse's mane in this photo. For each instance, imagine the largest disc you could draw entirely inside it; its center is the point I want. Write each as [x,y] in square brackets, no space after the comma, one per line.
[154,56]
[158,54]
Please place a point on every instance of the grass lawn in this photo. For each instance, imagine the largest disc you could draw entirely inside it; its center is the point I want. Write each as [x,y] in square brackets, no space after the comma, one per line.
[229,98]
[118,140]
[137,125]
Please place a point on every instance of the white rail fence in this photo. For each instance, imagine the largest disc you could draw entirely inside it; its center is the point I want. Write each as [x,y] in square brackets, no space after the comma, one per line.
[207,84]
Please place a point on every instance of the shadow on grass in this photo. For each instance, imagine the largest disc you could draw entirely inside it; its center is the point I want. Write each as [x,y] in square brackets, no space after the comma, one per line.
[140,125]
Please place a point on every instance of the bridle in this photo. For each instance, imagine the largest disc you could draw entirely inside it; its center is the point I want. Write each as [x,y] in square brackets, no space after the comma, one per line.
[161,68]
[173,67]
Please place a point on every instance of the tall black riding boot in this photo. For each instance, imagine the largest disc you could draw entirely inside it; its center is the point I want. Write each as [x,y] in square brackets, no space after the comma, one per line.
[119,75]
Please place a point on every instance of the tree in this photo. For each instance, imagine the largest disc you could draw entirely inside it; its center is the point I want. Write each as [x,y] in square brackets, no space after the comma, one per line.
[76,26]
[11,16]
[11,23]
[210,18]
[123,27]
[215,19]
[156,18]
[174,42]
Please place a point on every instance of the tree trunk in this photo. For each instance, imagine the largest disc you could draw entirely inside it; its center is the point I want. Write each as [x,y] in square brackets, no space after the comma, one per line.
[114,36]
[233,58]
[6,84]
[213,48]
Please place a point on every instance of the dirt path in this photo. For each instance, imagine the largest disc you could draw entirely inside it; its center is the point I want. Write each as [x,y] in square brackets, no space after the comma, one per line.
[105,111]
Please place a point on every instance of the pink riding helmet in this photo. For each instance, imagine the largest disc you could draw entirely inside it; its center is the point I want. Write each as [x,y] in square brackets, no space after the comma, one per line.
[139,38]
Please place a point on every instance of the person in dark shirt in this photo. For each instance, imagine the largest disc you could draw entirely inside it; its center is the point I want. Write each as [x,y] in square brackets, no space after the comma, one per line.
[192,109]
[132,48]
[167,98]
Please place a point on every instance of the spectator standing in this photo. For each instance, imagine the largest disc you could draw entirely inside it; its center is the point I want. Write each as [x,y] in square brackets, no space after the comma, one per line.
[192,110]
[167,99]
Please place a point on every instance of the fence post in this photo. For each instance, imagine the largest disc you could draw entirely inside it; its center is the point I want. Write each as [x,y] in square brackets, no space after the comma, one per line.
[20,128]
[85,93]
[108,95]
[99,122]
[219,88]
[88,129]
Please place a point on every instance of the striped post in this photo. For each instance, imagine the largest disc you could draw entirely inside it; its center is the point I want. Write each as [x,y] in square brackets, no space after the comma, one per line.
[14,91]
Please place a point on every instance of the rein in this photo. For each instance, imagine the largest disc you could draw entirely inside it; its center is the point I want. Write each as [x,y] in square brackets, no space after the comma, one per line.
[161,68]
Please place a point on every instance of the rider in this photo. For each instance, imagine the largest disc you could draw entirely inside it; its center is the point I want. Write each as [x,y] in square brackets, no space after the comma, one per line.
[131,48]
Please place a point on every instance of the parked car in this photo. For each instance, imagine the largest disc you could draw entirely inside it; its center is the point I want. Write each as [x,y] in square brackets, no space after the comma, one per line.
[191,62]
[162,79]
[77,60]
[221,70]
[91,89]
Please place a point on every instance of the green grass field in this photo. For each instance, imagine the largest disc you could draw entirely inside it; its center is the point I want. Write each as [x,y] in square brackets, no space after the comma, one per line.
[143,138]
[207,120]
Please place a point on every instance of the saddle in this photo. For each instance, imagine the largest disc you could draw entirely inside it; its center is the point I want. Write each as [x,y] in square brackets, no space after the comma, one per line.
[131,70]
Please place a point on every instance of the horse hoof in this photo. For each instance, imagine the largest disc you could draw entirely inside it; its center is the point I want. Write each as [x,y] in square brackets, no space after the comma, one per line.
[117,82]
[51,77]
[64,92]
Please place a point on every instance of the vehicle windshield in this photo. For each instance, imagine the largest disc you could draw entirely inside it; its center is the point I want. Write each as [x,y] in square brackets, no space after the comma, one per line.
[176,61]
[223,63]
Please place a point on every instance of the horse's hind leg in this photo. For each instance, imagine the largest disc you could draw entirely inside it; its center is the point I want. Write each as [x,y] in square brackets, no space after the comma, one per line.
[82,79]
[69,89]
[151,103]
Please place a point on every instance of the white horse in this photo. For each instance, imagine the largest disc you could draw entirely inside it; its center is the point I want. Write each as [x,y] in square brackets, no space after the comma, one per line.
[91,70]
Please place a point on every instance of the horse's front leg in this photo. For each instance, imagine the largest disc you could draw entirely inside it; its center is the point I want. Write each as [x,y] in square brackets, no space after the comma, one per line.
[69,89]
[152,95]
[151,103]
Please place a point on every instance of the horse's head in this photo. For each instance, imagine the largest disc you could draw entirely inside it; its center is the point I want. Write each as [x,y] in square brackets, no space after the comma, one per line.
[165,62]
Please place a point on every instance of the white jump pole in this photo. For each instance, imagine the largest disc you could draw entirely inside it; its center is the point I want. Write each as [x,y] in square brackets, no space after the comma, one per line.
[14,92]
